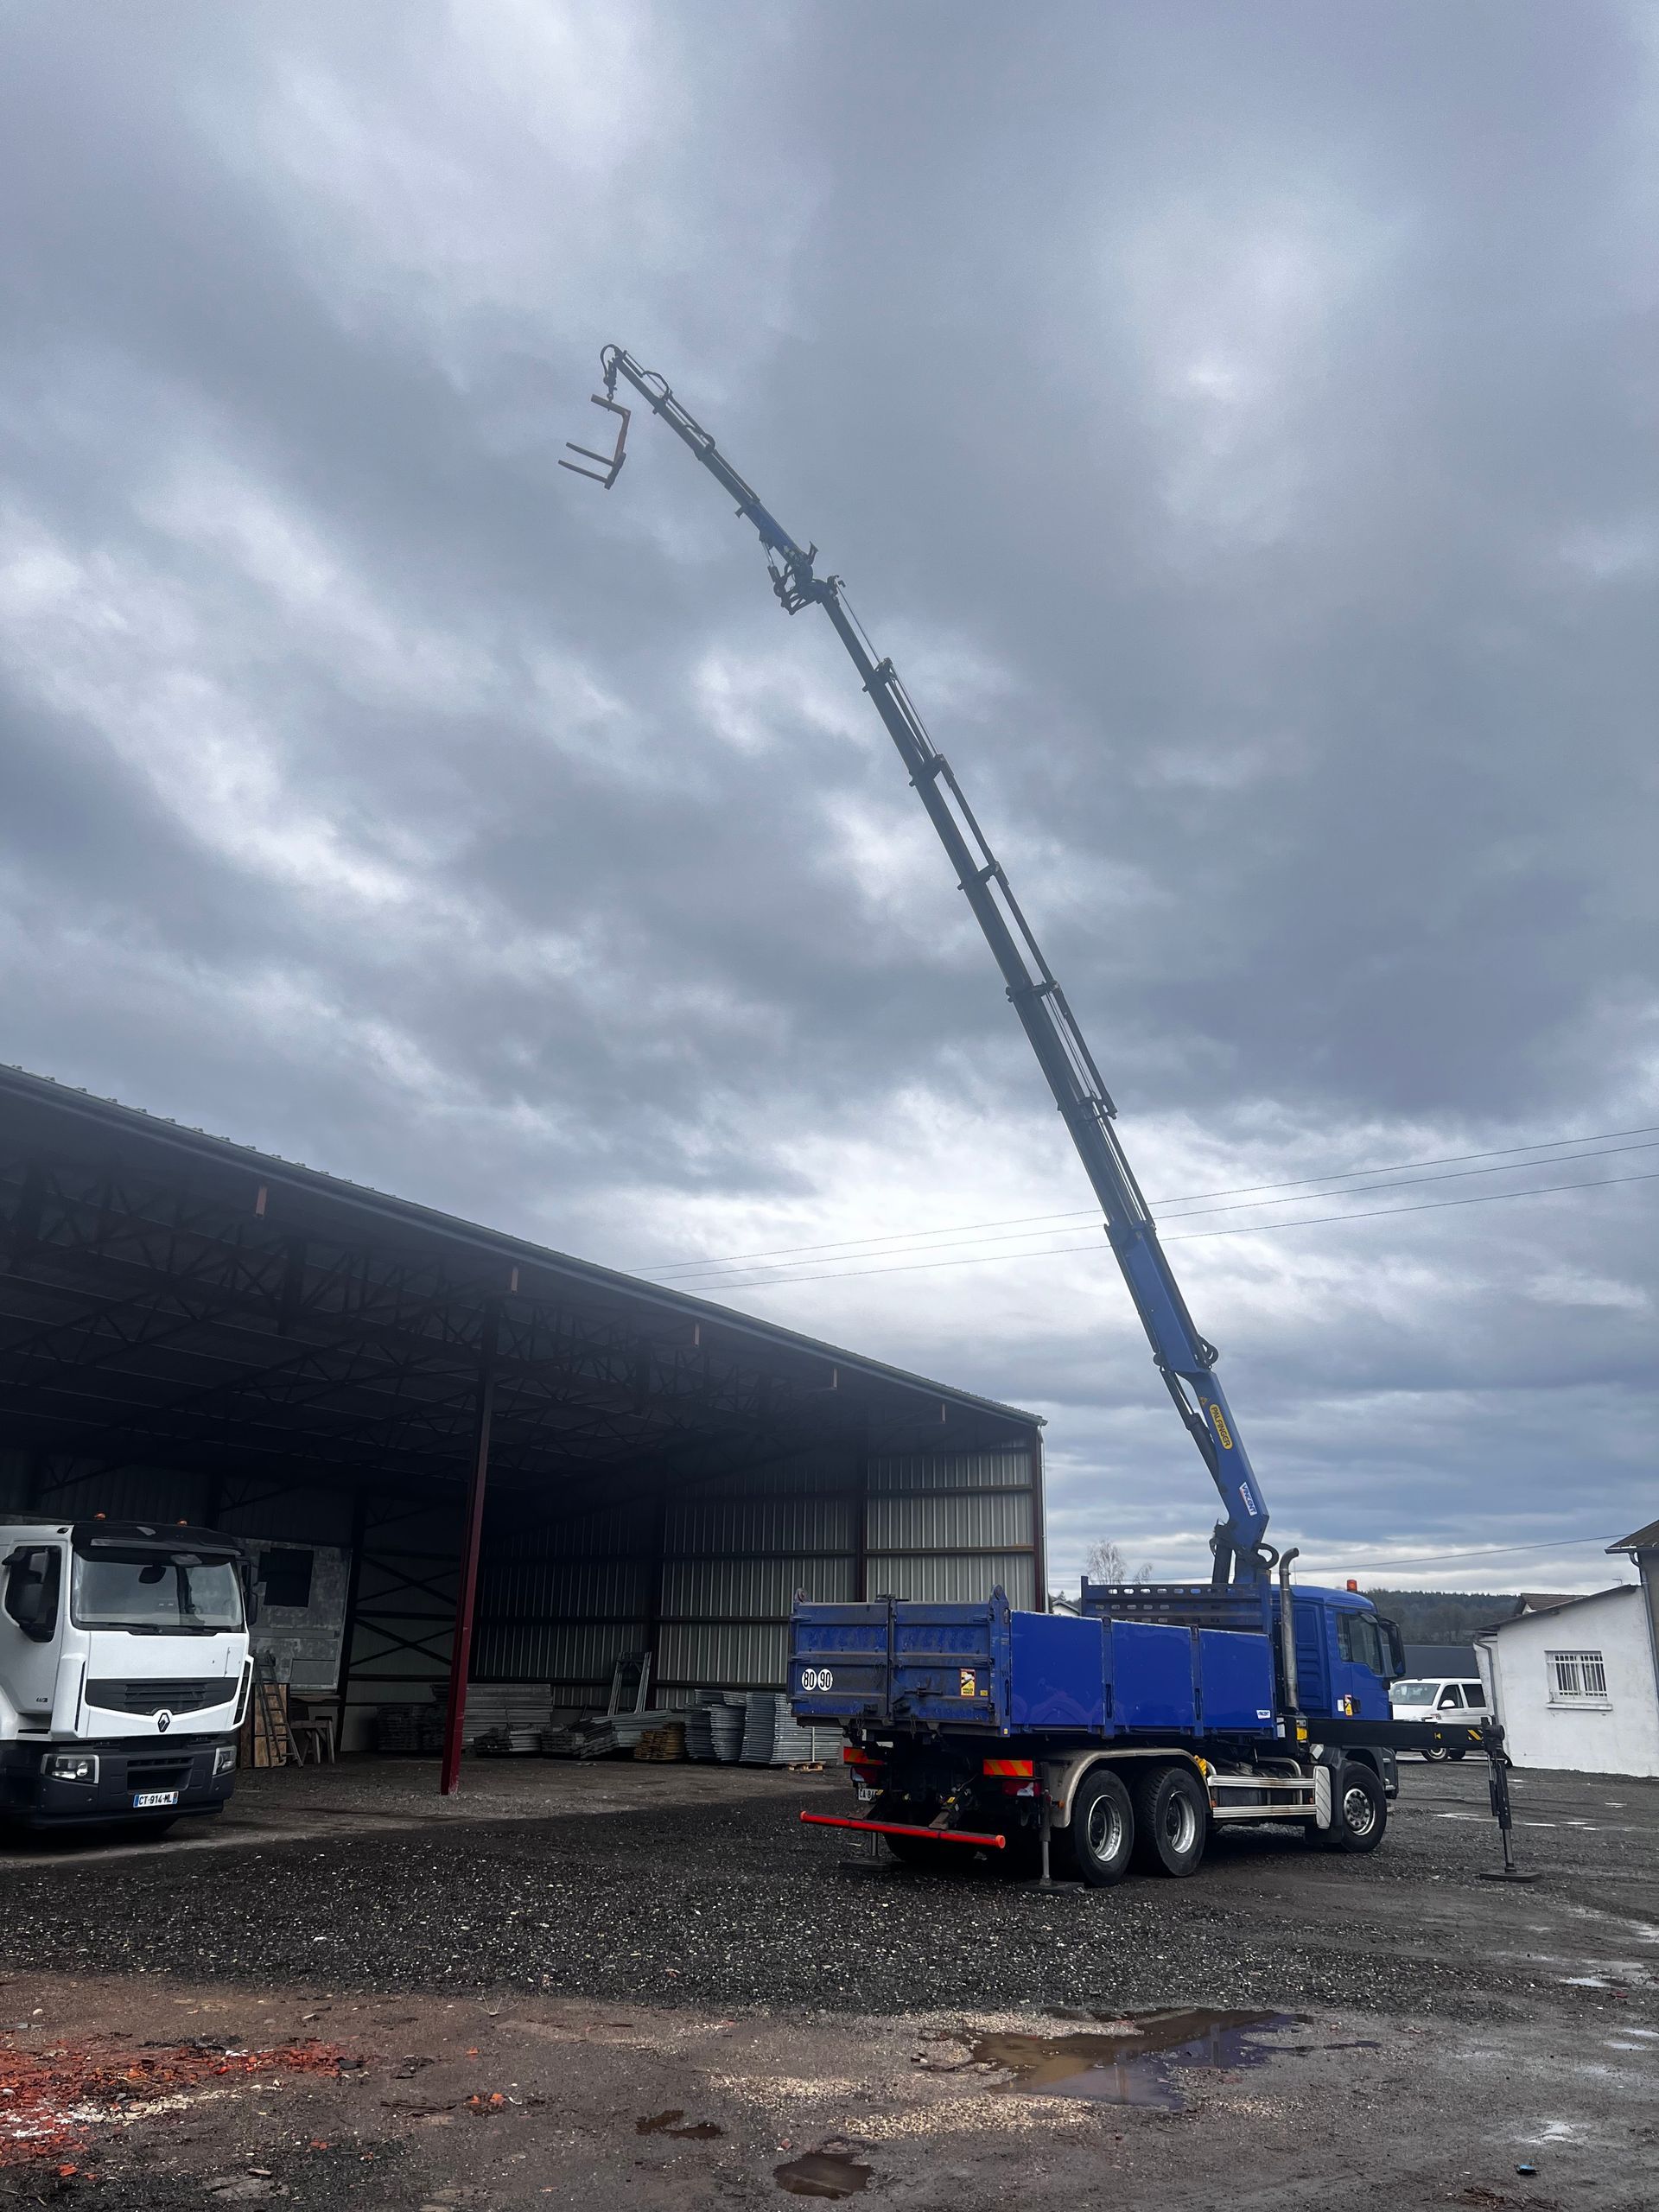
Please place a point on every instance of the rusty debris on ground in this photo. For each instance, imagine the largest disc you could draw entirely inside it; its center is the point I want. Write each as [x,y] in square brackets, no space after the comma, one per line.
[53,2102]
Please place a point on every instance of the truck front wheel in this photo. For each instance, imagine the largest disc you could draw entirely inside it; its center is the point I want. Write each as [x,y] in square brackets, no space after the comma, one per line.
[1172,1821]
[1359,1811]
[1100,1841]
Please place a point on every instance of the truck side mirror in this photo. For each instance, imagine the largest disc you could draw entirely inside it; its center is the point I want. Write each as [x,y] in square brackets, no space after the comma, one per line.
[250,1593]
[33,1572]
[1396,1647]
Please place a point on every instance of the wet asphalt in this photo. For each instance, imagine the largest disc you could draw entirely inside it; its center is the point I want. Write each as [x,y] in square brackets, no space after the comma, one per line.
[738,1906]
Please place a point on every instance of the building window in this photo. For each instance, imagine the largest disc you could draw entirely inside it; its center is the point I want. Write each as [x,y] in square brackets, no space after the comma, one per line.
[285,1578]
[1577,1678]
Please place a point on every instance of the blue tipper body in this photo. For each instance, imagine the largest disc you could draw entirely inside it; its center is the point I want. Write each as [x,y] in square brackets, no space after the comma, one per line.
[985,1668]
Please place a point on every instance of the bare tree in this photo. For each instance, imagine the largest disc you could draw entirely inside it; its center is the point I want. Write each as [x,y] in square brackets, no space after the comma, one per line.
[1105,1562]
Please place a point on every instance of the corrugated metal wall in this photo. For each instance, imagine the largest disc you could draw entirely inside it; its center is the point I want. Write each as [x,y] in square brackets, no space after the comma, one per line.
[948,1526]
[706,1576]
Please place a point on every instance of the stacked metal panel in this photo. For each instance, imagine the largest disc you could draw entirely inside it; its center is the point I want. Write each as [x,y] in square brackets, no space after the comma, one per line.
[726,1722]
[506,1716]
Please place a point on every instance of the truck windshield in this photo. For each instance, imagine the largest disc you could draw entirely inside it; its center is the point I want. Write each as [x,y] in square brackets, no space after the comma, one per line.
[1412,1692]
[177,1594]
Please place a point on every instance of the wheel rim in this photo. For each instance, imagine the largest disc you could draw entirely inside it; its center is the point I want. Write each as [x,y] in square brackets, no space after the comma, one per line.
[1359,1811]
[1103,1830]
[1180,1824]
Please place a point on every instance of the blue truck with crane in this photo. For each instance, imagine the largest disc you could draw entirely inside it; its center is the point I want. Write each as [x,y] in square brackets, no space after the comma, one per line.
[1123,1734]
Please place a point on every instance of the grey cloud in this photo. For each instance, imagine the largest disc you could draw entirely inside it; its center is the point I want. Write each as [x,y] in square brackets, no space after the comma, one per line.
[1237,416]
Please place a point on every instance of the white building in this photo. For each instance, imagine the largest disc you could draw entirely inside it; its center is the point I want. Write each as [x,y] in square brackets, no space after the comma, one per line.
[1577,1686]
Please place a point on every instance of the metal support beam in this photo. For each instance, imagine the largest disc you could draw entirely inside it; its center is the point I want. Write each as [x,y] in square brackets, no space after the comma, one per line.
[1039,1522]
[461,1653]
[353,1584]
[862,1522]
[656,1569]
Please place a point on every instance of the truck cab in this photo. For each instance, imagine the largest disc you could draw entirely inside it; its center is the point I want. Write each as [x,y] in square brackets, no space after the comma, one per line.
[124,1671]
[1346,1654]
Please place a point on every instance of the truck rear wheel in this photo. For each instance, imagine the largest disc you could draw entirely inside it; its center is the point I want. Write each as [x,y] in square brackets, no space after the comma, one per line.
[1100,1841]
[1172,1821]
[1359,1811]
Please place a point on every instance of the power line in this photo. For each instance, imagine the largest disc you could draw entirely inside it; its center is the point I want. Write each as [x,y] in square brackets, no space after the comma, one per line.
[859,1246]
[1239,1205]
[1194,1237]
[1486,1551]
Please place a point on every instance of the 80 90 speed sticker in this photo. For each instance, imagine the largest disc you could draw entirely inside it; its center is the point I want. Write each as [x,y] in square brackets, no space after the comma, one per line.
[817,1678]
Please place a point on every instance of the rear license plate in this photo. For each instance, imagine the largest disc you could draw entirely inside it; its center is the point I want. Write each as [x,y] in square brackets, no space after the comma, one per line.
[146,1798]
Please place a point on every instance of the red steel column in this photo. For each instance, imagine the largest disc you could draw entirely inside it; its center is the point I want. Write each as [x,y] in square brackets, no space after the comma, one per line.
[461,1655]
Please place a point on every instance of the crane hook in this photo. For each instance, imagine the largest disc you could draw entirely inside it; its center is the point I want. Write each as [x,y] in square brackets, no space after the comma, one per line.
[610,464]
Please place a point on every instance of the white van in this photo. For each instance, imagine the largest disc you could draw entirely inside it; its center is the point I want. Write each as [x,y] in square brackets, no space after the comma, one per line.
[1436,1697]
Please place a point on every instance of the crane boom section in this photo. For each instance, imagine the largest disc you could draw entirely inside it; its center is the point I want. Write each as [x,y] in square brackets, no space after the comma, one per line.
[1185,1358]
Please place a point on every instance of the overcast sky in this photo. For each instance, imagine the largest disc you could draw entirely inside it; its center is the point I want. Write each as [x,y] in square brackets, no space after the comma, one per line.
[1236,420]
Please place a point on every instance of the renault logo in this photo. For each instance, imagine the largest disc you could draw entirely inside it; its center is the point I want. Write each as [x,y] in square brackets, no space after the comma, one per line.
[163,1722]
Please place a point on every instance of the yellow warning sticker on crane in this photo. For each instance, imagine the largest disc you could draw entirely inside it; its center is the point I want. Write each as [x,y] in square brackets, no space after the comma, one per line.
[1219,1423]
[970,1682]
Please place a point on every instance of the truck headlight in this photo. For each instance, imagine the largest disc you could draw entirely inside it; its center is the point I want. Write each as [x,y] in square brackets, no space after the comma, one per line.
[224,1758]
[70,1766]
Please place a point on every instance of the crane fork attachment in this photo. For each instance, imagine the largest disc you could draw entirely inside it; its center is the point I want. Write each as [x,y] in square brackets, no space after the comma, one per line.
[610,464]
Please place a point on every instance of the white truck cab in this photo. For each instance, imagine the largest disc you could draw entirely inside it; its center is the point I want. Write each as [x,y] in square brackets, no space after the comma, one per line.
[1441,1697]
[124,1671]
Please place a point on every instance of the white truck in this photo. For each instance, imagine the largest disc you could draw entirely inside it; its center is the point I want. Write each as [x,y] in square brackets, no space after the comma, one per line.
[124,1672]
[1447,1698]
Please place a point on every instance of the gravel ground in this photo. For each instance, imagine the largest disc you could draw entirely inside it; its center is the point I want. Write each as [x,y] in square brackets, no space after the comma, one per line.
[524,2000]
[737,1906]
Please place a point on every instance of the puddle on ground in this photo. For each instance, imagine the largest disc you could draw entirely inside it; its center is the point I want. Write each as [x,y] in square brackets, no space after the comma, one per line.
[1131,2064]
[663,2123]
[823,2173]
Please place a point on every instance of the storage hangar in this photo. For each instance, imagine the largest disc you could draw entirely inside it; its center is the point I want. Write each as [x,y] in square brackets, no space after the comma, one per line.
[395,1410]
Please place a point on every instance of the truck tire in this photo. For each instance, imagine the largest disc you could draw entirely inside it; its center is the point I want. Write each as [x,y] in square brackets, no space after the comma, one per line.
[1359,1811]
[1099,1845]
[1172,1821]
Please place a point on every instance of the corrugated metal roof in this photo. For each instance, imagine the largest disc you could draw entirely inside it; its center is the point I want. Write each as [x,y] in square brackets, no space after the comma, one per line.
[271,1168]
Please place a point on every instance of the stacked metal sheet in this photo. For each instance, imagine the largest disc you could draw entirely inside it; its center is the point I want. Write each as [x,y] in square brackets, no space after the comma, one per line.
[629,1727]
[396,1728]
[795,1745]
[726,1726]
[507,1716]
[699,1729]
[589,1737]
[759,1728]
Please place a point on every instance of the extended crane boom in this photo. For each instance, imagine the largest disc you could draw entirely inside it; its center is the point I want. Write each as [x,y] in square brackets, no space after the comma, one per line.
[1185,1358]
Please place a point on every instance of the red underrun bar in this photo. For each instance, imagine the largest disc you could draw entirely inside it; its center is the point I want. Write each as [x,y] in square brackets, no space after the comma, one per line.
[898,1827]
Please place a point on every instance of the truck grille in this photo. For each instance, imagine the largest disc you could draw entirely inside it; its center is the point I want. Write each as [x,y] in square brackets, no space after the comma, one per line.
[160,1697]
[157,1773]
